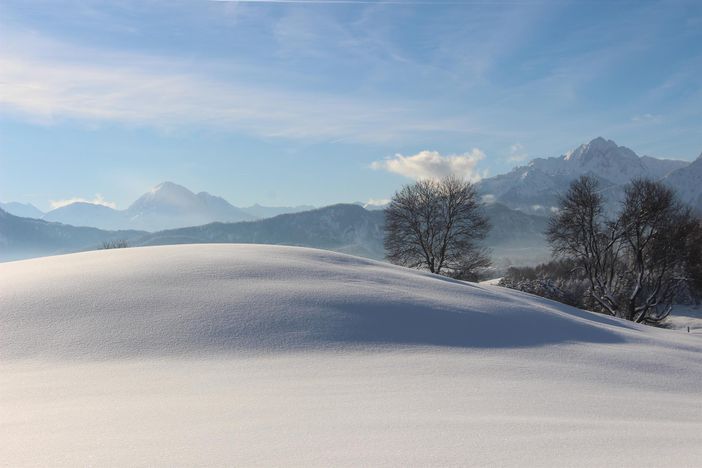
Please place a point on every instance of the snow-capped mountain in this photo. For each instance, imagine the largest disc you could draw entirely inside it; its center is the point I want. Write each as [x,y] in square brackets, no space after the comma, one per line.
[25,210]
[602,158]
[537,186]
[170,205]
[165,206]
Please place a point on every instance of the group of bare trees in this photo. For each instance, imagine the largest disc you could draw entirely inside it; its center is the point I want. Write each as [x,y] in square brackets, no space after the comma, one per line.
[632,264]
[437,225]
[636,261]
[114,244]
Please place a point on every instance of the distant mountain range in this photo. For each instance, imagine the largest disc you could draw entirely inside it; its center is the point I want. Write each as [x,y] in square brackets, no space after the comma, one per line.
[26,210]
[347,228]
[535,188]
[516,204]
[344,228]
[26,237]
[263,212]
[166,206]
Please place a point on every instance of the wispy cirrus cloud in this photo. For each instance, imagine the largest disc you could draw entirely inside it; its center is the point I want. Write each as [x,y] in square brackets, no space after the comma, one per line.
[647,118]
[55,82]
[431,164]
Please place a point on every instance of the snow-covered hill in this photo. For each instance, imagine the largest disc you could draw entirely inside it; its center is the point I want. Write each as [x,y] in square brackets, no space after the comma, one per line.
[537,186]
[258,355]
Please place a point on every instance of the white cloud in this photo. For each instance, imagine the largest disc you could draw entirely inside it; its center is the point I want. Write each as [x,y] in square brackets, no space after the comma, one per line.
[431,164]
[374,202]
[97,200]
[517,153]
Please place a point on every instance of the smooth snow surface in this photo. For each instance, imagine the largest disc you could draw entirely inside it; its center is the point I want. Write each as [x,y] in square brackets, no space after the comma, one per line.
[241,355]
[685,318]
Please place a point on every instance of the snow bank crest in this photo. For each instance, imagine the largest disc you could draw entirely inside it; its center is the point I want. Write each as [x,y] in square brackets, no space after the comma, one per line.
[208,299]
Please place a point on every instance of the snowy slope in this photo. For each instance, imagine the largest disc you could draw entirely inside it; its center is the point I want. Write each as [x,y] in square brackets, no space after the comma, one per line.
[263,355]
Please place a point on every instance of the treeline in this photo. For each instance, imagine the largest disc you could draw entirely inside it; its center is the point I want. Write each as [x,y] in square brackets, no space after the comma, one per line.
[634,264]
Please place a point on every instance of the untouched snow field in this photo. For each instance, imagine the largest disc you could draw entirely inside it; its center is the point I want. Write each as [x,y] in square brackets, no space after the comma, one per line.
[684,317]
[241,355]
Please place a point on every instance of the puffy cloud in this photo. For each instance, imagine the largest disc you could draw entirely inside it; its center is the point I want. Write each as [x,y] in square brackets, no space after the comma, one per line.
[97,200]
[431,164]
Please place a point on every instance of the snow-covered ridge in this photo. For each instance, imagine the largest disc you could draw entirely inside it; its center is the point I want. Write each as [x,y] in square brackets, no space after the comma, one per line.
[220,298]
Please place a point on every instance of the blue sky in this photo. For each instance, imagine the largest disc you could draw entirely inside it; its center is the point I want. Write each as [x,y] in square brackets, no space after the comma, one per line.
[295,102]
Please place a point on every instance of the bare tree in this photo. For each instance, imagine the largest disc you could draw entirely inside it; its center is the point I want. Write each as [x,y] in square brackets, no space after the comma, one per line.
[637,262]
[580,231]
[656,228]
[436,225]
[694,263]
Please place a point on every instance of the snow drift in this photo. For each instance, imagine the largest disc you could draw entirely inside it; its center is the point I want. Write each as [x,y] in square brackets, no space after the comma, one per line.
[249,355]
[215,298]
